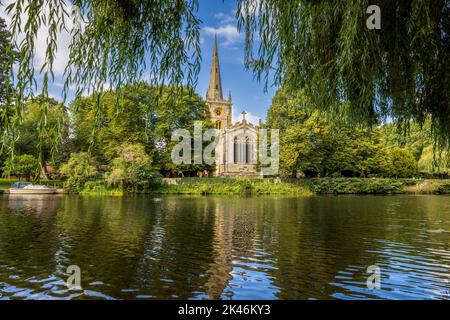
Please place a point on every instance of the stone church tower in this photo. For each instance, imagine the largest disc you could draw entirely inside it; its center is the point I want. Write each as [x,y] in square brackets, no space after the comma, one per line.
[220,109]
[236,152]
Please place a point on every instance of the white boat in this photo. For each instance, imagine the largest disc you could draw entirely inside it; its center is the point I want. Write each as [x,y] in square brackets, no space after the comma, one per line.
[28,188]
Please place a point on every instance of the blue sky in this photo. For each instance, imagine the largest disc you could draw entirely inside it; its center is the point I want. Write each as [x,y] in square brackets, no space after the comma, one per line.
[218,16]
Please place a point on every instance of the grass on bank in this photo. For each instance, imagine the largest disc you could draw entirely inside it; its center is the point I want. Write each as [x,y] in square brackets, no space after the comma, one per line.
[207,186]
[306,186]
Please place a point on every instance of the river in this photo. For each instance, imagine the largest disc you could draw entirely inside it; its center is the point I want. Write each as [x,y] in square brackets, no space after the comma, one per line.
[182,247]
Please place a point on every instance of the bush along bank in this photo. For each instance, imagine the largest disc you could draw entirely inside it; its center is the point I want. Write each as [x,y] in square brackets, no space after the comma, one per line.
[375,186]
[276,186]
[205,186]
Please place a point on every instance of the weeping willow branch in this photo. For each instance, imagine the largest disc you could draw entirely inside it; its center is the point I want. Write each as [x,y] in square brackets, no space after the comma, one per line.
[116,42]
[400,73]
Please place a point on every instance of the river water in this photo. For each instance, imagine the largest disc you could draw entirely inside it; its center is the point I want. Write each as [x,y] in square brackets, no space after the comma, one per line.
[180,247]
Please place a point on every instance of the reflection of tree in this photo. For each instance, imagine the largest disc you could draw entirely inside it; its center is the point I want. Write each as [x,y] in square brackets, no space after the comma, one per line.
[29,241]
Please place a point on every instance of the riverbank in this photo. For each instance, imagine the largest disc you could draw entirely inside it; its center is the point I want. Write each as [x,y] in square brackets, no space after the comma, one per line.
[304,186]
[274,186]
[375,186]
[205,186]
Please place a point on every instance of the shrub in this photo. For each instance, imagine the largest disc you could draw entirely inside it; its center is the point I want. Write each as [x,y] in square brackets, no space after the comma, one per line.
[23,166]
[131,170]
[78,170]
[402,163]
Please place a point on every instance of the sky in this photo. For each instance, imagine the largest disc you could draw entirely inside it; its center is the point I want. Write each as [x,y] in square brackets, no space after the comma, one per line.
[218,17]
[248,94]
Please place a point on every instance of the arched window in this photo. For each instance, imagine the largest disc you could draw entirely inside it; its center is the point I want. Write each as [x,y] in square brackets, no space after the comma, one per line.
[235,149]
[218,125]
[248,151]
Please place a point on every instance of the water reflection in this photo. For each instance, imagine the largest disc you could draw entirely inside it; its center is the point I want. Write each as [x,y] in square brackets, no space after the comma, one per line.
[224,248]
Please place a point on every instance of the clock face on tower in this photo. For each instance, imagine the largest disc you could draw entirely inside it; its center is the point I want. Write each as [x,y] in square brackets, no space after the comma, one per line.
[218,112]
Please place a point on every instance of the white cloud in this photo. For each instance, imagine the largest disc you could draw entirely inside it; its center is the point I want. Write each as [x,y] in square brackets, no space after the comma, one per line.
[63,41]
[228,34]
[225,18]
[250,117]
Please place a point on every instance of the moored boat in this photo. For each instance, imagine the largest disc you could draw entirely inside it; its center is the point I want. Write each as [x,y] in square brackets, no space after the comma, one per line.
[29,188]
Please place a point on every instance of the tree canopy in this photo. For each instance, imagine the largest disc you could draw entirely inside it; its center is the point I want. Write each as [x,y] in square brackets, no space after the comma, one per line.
[310,146]
[322,48]
[137,117]
[400,72]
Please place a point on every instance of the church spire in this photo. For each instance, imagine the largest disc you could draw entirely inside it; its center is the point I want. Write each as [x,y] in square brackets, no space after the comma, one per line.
[215,84]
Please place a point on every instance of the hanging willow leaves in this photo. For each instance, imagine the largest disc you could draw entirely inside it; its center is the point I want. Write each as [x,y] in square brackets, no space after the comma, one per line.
[399,73]
[113,42]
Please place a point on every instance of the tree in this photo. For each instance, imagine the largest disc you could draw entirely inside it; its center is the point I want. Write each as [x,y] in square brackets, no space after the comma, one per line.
[44,130]
[138,117]
[310,146]
[7,57]
[78,170]
[111,41]
[419,141]
[403,164]
[24,165]
[325,48]
[132,170]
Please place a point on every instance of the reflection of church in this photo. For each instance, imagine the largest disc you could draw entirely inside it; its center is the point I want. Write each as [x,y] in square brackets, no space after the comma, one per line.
[237,151]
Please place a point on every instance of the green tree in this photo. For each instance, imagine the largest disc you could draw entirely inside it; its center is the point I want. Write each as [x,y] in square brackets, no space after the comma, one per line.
[7,55]
[402,163]
[419,141]
[24,165]
[434,162]
[325,48]
[310,146]
[78,170]
[132,170]
[112,41]
[44,131]
[138,116]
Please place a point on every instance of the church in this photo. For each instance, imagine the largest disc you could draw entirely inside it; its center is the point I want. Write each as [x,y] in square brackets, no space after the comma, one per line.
[237,151]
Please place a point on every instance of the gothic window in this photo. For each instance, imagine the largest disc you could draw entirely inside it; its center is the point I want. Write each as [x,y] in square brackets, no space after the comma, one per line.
[218,125]
[247,150]
[236,150]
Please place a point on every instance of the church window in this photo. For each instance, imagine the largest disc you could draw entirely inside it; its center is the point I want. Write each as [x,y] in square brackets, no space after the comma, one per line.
[218,125]
[247,150]
[236,150]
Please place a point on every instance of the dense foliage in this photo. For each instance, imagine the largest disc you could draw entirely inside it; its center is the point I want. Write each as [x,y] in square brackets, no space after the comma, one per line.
[419,141]
[44,131]
[112,42]
[132,169]
[310,146]
[6,53]
[401,72]
[24,165]
[140,119]
[77,171]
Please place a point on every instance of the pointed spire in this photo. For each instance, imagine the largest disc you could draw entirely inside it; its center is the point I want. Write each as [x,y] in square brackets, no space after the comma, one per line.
[229,97]
[215,83]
